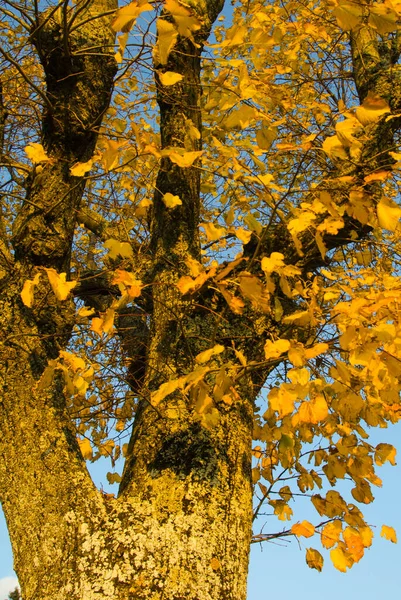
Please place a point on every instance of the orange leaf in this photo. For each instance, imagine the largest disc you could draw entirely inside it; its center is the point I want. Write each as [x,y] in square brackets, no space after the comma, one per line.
[304,529]
[341,559]
[314,559]
[389,533]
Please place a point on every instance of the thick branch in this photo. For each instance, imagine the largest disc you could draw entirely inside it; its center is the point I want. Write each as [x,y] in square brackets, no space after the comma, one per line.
[176,230]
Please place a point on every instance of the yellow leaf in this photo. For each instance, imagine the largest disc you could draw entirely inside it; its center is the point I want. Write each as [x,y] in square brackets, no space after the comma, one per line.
[362,492]
[255,475]
[60,286]
[282,400]
[252,289]
[300,376]
[207,354]
[47,375]
[166,38]
[76,363]
[316,350]
[186,284]
[334,148]
[384,453]
[382,18]
[243,234]
[143,207]
[80,169]
[111,155]
[186,22]
[330,534]
[341,558]
[85,311]
[354,543]
[240,118]
[253,224]
[304,529]
[117,248]
[127,283]
[108,320]
[312,412]
[348,15]
[106,448]
[296,355]
[346,129]
[314,559]
[80,385]
[86,448]
[126,16]
[281,509]
[203,404]
[273,263]
[113,478]
[372,109]
[276,349]
[389,533]
[36,153]
[28,290]
[122,42]
[184,159]
[165,390]
[194,134]
[104,324]
[366,536]
[235,35]
[388,214]
[171,201]
[267,179]
[176,8]
[299,224]
[235,304]
[241,357]
[215,564]
[301,317]
[170,78]
[265,137]
[213,232]
[195,377]
[378,175]
[97,325]
[194,266]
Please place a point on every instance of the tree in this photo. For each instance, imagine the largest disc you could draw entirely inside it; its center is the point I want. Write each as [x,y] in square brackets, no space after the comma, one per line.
[14,595]
[198,222]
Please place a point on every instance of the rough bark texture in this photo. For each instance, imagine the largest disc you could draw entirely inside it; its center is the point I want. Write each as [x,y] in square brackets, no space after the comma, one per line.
[181,525]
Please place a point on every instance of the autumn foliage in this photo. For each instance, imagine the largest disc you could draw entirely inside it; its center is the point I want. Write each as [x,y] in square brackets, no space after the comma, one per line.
[266,208]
